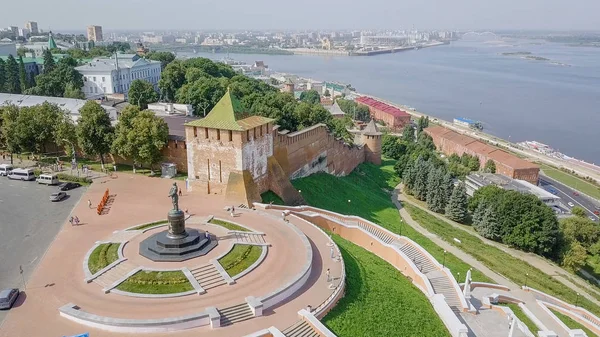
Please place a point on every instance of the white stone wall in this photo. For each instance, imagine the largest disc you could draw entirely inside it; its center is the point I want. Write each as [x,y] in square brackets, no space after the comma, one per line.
[255,154]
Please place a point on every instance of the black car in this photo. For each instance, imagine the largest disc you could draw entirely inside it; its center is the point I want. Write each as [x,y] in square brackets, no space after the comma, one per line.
[68,186]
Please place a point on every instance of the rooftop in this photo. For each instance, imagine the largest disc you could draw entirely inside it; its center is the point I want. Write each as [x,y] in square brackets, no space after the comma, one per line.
[371,102]
[371,129]
[228,114]
[504,182]
[109,64]
[335,109]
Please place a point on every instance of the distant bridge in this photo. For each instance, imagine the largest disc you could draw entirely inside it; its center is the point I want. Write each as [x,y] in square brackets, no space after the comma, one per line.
[480,35]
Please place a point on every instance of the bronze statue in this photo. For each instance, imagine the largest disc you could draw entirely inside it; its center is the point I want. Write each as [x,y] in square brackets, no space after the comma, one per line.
[174,197]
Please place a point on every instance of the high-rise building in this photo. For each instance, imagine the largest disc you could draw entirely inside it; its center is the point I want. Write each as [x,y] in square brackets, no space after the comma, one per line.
[32,26]
[94,33]
[14,30]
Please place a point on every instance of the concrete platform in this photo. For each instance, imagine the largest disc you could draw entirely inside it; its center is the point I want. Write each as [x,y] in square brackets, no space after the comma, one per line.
[159,247]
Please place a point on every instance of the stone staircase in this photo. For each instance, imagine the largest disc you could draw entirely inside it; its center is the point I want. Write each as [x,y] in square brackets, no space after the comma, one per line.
[236,313]
[442,285]
[300,329]
[115,273]
[419,259]
[208,276]
[249,238]
[123,236]
[378,233]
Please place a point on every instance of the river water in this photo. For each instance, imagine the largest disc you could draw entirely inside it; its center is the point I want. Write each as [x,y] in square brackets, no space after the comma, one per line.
[516,99]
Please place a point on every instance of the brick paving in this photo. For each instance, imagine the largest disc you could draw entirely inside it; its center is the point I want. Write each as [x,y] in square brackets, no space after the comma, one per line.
[59,278]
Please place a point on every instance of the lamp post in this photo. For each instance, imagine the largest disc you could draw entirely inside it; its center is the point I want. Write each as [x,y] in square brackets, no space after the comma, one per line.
[577,300]
[526,279]
[444,263]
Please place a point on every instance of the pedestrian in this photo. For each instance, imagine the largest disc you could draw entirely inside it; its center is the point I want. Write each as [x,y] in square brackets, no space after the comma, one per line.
[328,275]
[207,235]
[76,221]
[180,192]
[283,215]
[232,211]
[186,211]
[332,253]
[71,221]
[89,203]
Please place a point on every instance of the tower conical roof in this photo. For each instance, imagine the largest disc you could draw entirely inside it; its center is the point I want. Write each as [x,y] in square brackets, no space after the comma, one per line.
[51,43]
[371,129]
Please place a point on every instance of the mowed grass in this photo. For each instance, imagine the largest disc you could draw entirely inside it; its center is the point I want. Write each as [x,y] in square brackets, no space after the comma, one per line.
[503,263]
[156,282]
[572,181]
[102,256]
[148,225]
[521,315]
[240,258]
[572,324]
[228,225]
[379,300]
[366,192]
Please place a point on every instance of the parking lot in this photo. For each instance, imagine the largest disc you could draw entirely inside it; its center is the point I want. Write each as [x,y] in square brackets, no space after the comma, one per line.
[28,224]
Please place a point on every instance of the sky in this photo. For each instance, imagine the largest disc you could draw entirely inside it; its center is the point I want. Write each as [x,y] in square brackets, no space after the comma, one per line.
[75,15]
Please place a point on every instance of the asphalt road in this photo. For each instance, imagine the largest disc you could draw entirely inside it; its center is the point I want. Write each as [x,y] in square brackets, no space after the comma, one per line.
[567,195]
[28,224]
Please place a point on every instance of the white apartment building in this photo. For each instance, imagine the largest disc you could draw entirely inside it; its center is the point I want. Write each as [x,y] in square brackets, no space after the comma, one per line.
[104,76]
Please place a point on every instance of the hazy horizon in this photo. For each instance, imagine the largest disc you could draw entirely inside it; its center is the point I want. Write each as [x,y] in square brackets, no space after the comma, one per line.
[72,15]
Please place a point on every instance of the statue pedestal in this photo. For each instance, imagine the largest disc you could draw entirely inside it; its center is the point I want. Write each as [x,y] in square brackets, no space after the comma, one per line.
[176,225]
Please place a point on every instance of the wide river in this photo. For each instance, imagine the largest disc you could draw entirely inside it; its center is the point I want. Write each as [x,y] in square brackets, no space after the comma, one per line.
[556,102]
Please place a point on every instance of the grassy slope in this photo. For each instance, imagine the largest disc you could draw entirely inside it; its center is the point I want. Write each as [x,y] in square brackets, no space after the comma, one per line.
[572,181]
[132,286]
[379,300]
[228,225]
[369,190]
[102,256]
[499,261]
[232,259]
[572,324]
[521,315]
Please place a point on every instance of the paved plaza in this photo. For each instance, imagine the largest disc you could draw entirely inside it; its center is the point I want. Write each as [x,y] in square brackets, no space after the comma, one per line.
[28,224]
[59,279]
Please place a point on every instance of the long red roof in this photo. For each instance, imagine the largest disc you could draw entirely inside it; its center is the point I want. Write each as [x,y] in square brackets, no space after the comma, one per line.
[382,106]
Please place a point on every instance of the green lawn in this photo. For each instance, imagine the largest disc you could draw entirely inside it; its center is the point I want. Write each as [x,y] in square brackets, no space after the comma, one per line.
[102,256]
[270,197]
[572,181]
[572,324]
[228,225]
[369,189]
[521,315]
[503,263]
[152,224]
[156,282]
[240,258]
[379,300]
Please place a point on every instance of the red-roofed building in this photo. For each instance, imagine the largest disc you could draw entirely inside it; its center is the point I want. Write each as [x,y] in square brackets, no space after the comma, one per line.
[393,117]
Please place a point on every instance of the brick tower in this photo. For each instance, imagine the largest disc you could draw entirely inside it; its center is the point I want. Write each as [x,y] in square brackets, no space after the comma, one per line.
[372,143]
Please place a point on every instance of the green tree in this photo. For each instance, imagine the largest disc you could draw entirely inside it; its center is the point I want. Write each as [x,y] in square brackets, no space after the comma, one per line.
[580,229]
[327,93]
[490,166]
[12,82]
[141,93]
[339,128]
[24,83]
[578,211]
[310,96]
[425,141]
[201,94]
[49,63]
[477,215]
[408,133]
[94,130]
[310,114]
[172,78]
[456,209]
[121,144]
[65,133]
[422,123]
[10,129]
[73,92]
[474,164]
[489,227]
[2,74]
[447,186]
[424,168]
[436,197]
[575,257]
[409,176]
[393,147]
[54,83]
[164,57]
[149,135]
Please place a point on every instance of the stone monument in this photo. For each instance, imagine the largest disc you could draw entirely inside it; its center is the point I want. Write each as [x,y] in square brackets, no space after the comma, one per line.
[177,243]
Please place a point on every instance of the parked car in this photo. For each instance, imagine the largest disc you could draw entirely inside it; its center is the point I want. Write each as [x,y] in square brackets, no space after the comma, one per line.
[576,194]
[571,204]
[553,191]
[8,298]
[48,179]
[68,186]
[21,174]
[597,213]
[5,169]
[58,196]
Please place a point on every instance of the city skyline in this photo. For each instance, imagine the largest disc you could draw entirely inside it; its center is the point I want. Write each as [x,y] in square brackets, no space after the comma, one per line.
[335,14]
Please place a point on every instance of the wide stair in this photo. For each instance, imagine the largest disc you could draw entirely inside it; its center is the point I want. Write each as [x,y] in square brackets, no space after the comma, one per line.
[208,276]
[300,329]
[109,277]
[249,238]
[419,259]
[442,285]
[123,236]
[236,313]
[378,233]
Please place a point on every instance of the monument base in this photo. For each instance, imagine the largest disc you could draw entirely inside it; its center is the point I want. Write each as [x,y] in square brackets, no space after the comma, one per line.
[160,247]
[176,220]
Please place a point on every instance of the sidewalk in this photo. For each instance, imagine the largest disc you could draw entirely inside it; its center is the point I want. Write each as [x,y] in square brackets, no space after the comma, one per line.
[516,290]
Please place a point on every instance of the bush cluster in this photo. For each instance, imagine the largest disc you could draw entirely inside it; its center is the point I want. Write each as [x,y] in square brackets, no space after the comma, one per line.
[158,278]
[239,259]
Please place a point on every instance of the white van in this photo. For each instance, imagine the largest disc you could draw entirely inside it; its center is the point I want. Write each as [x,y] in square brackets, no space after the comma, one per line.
[48,179]
[5,169]
[22,174]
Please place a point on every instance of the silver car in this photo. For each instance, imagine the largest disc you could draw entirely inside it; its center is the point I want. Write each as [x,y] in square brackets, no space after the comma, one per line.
[8,298]
[58,196]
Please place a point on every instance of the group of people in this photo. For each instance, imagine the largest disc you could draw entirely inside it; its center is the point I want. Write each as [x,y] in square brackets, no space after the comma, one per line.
[74,221]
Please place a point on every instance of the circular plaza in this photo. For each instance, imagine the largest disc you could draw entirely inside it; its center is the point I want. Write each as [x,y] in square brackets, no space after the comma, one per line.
[251,270]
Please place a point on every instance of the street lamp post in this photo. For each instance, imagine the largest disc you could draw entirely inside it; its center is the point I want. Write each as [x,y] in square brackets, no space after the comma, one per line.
[577,300]
[526,279]
[444,261]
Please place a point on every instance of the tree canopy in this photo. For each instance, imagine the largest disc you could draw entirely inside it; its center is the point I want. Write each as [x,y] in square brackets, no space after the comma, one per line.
[310,96]
[141,93]
[94,131]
